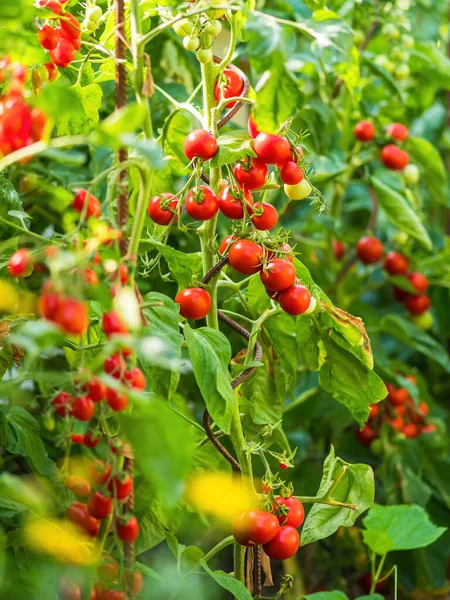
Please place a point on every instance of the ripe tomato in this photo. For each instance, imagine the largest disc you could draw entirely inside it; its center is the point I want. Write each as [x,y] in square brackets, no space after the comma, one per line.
[202,203]
[338,249]
[121,487]
[95,389]
[82,199]
[418,281]
[63,54]
[21,263]
[112,594]
[295,300]
[252,174]
[394,158]
[62,403]
[47,36]
[78,514]
[113,324]
[49,306]
[396,396]
[271,148]
[136,378]
[246,257]
[395,263]
[195,303]
[52,5]
[364,131]
[115,366]
[255,526]
[231,202]
[128,530]
[72,316]
[108,571]
[268,217]
[366,435]
[233,87]
[278,275]
[253,127]
[374,411]
[117,401]
[98,472]
[89,441]
[83,408]
[417,305]
[78,485]
[296,513]
[396,423]
[369,250]
[99,506]
[291,173]
[52,70]
[411,430]
[200,143]
[134,581]
[430,428]
[226,242]
[284,545]
[70,26]
[77,438]
[423,409]
[163,208]
[397,131]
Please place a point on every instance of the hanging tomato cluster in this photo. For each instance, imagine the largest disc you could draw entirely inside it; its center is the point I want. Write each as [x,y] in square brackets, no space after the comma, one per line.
[20,123]
[391,155]
[62,41]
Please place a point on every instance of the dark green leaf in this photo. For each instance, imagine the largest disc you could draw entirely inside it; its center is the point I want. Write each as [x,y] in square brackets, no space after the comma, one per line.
[228,582]
[334,595]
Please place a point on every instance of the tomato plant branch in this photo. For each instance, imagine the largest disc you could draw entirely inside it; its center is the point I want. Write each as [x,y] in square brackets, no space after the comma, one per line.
[137,50]
[218,547]
[42,146]
[25,231]
[377,573]
[232,45]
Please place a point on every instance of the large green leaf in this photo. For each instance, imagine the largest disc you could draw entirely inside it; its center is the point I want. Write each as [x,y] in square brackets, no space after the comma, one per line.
[356,487]
[400,213]
[210,354]
[228,582]
[9,200]
[233,146]
[260,398]
[186,268]
[90,97]
[282,334]
[401,527]
[434,175]
[333,595]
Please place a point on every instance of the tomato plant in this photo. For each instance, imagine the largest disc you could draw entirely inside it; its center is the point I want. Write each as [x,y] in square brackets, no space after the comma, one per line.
[224,299]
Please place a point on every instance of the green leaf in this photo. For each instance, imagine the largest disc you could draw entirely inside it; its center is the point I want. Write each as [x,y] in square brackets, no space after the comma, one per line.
[176,127]
[163,445]
[125,120]
[401,527]
[281,333]
[186,268]
[163,324]
[410,335]
[233,146]
[334,595]
[367,59]
[146,150]
[228,582]
[356,487]
[400,213]
[433,172]
[59,101]
[308,340]
[210,354]
[260,398]
[9,200]
[90,97]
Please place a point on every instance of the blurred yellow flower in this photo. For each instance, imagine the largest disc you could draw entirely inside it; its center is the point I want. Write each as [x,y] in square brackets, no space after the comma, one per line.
[221,495]
[62,540]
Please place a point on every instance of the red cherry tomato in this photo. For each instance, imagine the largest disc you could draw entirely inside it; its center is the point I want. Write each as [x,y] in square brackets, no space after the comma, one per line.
[21,263]
[202,203]
[195,303]
[121,488]
[364,131]
[47,36]
[252,174]
[255,527]
[62,403]
[98,472]
[246,257]
[231,202]
[374,411]
[134,581]
[82,199]
[89,441]
[115,366]
[77,438]
[95,389]
[136,378]
[284,545]
[295,300]
[112,594]
[338,249]
[397,131]
[70,26]
[51,70]
[430,428]
[52,5]
[128,530]
[394,158]
[418,281]
[113,324]
[233,87]
[109,570]
[369,250]
[271,148]
[117,401]
[78,485]
[200,144]
[163,208]
[396,396]
[99,506]
[83,408]
[283,465]
[417,305]
[226,242]
[253,127]
[396,423]
[290,173]
[78,514]
[296,513]
[72,316]
[395,263]
[411,430]
[268,217]
[278,275]
[366,435]
[63,54]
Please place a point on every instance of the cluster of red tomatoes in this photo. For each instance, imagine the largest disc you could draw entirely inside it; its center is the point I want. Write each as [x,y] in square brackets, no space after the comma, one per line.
[62,41]
[104,494]
[391,155]
[20,123]
[399,412]
[276,531]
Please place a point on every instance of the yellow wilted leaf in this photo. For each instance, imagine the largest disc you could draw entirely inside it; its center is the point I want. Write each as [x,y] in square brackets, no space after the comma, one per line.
[220,495]
[62,540]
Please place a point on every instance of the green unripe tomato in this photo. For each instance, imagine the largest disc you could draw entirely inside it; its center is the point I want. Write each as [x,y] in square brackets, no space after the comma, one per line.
[376,447]
[183,27]
[383,61]
[312,306]
[423,321]
[90,25]
[214,28]
[28,183]
[48,421]
[399,55]
[300,191]
[411,174]
[94,13]
[400,238]
[408,41]
[358,37]
[401,72]
[191,42]
[391,32]
[204,56]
